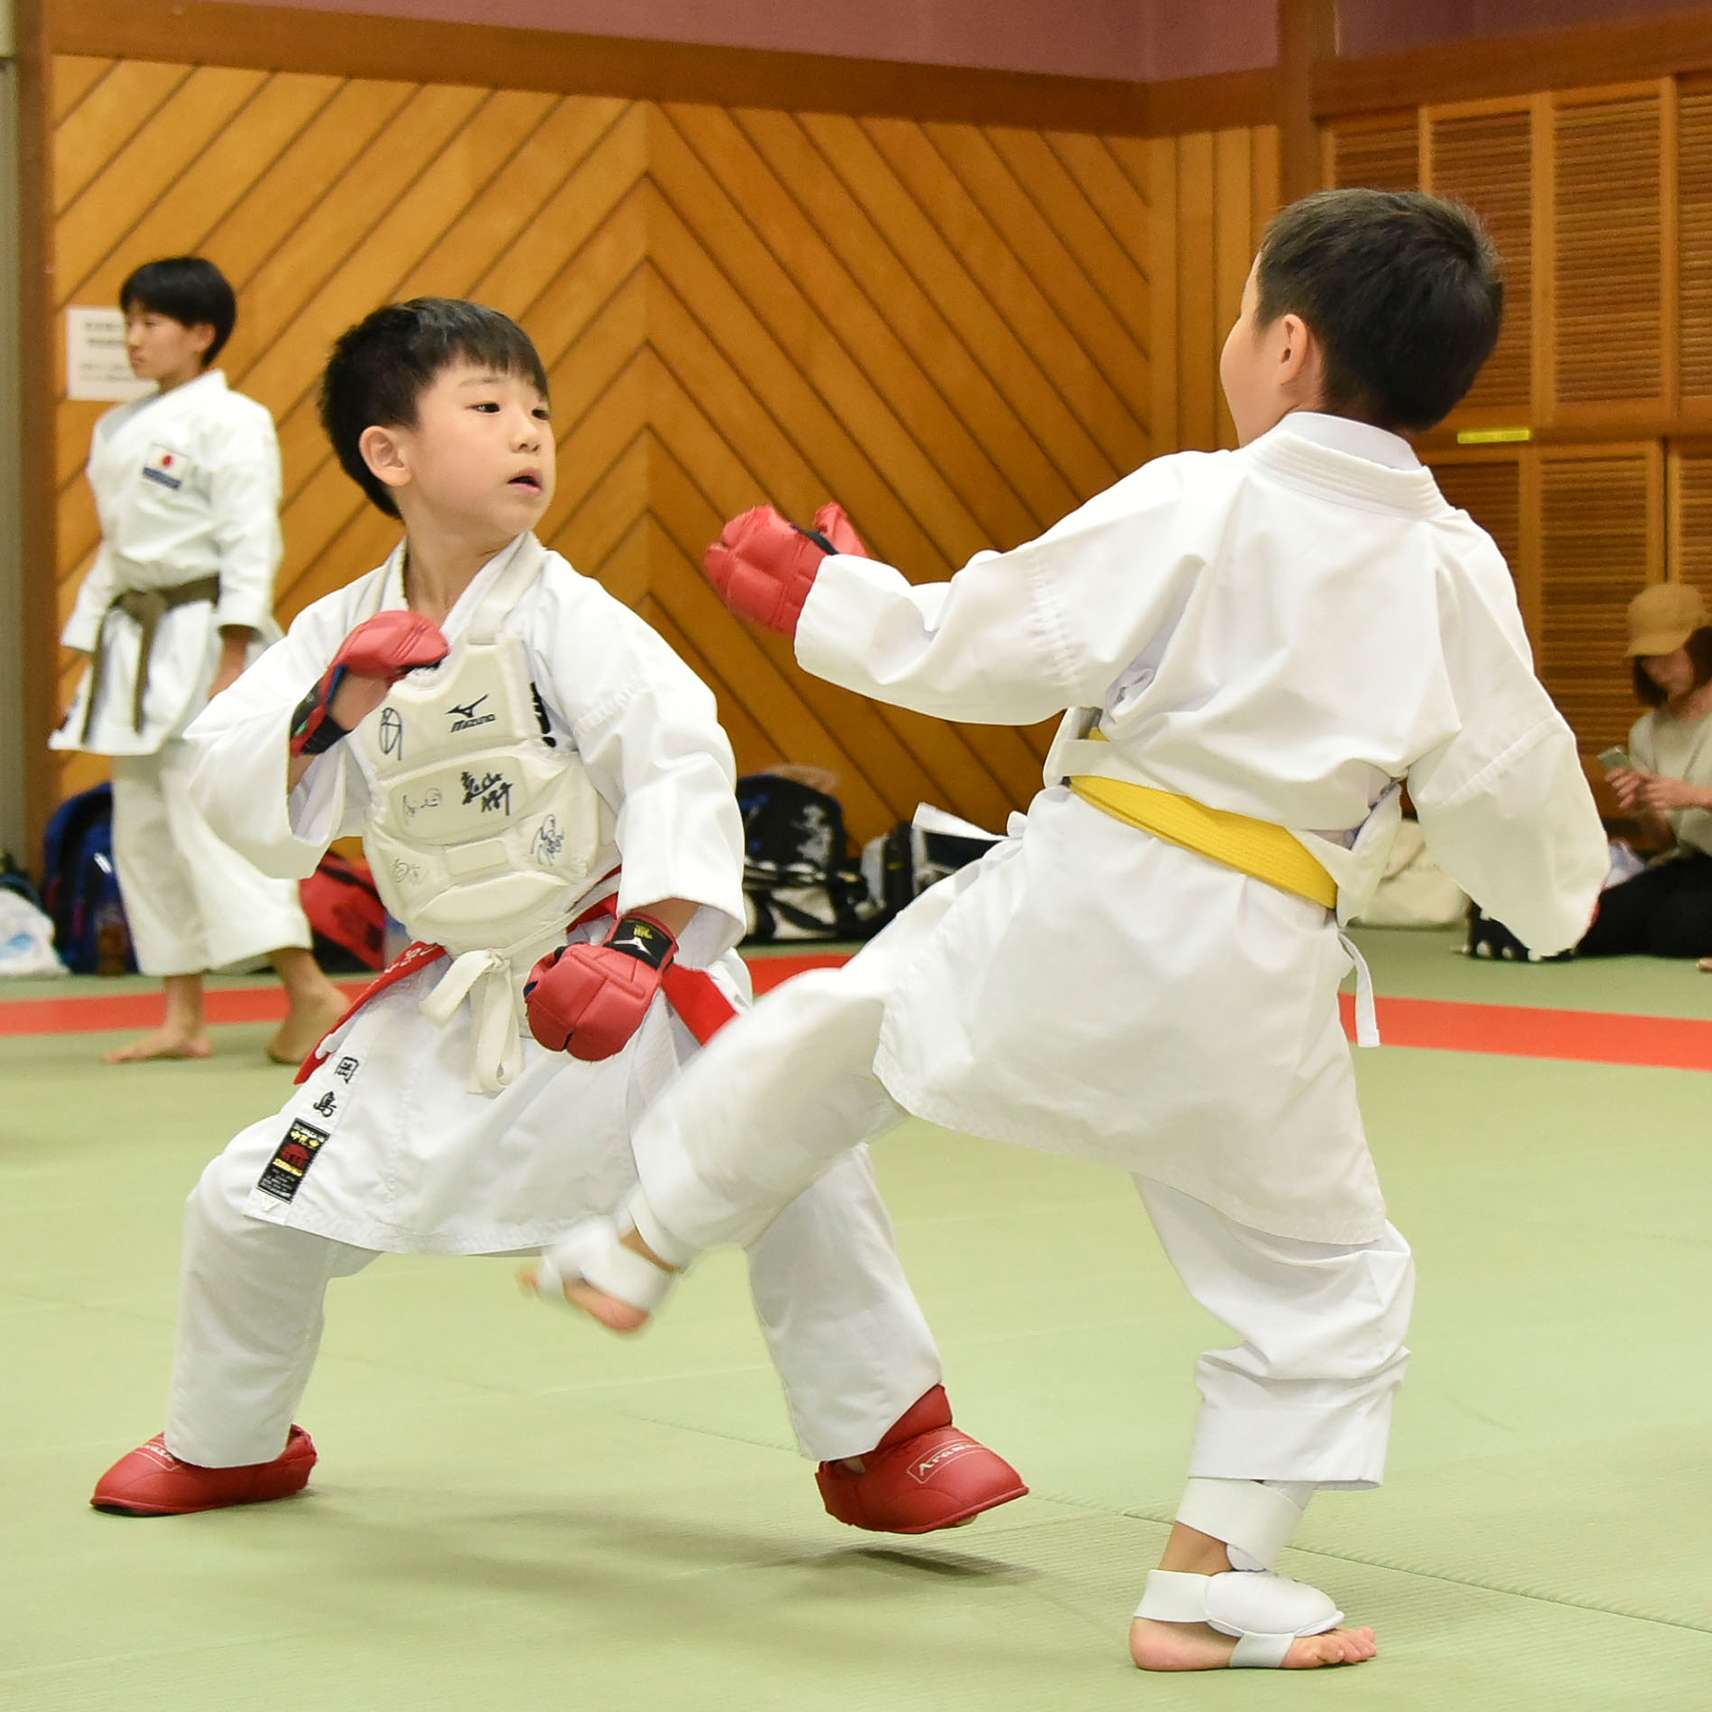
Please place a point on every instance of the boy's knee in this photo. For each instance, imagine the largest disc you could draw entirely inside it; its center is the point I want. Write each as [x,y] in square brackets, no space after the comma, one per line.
[217,1200]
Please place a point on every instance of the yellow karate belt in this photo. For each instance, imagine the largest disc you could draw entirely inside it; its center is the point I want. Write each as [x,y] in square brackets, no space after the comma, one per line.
[1258,848]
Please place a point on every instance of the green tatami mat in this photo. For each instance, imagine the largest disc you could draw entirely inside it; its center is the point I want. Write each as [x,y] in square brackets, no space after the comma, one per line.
[513,1509]
[1425,963]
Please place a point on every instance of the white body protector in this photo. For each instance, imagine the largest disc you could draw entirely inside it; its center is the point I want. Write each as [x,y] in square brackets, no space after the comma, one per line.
[483,832]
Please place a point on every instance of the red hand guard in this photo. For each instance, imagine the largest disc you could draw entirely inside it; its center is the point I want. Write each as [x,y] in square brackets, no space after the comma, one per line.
[384,647]
[764,567]
[588,1000]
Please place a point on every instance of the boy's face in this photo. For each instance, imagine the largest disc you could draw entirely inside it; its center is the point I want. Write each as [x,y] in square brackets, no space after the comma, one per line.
[480,459]
[1266,372]
[162,349]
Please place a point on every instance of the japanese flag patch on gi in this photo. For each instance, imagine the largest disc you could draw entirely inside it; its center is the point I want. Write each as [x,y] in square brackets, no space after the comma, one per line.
[166,467]
[291,1160]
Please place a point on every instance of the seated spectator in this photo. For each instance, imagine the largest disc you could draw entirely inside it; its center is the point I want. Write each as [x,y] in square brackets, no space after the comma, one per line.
[1666,911]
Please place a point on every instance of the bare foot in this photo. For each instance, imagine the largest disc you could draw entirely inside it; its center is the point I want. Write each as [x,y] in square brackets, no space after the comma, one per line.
[166,1042]
[1195,1646]
[303,1028]
[615,1315]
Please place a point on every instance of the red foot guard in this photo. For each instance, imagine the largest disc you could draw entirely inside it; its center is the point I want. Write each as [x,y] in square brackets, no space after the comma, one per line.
[151,1481]
[924,1474]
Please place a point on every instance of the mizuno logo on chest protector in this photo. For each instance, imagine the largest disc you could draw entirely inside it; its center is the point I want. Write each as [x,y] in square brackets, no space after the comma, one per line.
[465,717]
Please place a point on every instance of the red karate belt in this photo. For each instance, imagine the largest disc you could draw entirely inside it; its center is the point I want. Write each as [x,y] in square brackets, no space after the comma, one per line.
[700,1002]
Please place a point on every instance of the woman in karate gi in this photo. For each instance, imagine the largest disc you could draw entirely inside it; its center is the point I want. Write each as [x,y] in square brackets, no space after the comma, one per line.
[529,764]
[179,597]
[1256,649]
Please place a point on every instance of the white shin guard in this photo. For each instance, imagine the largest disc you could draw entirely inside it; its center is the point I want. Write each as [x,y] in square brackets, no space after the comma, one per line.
[1264,1611]
[591,1253]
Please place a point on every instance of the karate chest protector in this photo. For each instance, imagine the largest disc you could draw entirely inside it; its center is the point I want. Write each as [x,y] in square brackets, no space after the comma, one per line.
[483,830]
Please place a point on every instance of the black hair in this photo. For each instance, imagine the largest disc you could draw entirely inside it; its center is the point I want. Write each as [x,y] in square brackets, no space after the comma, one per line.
[1699,646]
[1404,291]
[188,289]
[380,368]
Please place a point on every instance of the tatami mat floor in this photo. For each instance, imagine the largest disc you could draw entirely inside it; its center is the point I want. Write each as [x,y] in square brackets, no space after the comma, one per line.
[512,1509]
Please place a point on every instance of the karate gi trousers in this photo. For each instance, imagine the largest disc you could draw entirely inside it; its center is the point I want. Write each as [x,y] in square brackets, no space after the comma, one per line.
[1307,1393]
[846,1336]
[191,902]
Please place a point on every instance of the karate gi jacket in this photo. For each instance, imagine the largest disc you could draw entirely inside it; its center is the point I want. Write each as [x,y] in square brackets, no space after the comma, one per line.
[1286,631]
[414,1160]
[187,486]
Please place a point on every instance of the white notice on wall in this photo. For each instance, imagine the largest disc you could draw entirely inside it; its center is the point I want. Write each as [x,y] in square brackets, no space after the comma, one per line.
[95,362]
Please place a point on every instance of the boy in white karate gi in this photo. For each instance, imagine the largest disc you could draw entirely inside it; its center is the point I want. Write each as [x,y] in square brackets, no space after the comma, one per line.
[528,763]
[180,595]
[1256,650]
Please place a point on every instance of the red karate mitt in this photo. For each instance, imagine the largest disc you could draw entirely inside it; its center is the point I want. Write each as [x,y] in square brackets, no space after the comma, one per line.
[384,648]
[764,566]
[589,999]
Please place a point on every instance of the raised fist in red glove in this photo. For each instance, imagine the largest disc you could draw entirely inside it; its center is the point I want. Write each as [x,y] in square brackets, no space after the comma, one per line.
[376,654]
[764,566]
[589,999]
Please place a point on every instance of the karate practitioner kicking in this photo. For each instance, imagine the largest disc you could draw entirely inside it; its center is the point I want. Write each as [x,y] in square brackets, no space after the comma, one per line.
[529,765]
[1255,650]
[179,598]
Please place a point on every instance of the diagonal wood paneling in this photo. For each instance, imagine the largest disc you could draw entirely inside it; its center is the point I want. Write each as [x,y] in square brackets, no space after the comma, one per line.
[1212,195]
[949,327]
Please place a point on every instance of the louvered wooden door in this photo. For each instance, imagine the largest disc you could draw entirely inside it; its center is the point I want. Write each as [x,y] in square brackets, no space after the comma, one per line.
[1610,294]
[1693,244]
[1584,530]
[1689,485]
[1378,153]
[1499,489]
[1601,525]
[1482,153]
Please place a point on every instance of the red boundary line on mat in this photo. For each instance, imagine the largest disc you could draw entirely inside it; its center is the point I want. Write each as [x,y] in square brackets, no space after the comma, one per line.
[1525,1031]
[79,1013]
[1441,1025]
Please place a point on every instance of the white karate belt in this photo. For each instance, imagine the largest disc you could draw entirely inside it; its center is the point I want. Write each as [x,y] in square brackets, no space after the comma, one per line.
[492,980]
[1366,1012]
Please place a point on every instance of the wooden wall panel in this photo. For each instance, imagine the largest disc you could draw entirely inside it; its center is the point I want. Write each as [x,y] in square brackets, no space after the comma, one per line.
[953,328]
[1214,192]
[1602,541]
[1694,245]
[1608,252]
[1600,199]
[1690,516]
[1378,153]
[1482,155]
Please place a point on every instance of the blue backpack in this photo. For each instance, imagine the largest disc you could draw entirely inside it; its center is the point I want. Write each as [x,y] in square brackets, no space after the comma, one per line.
[80,886]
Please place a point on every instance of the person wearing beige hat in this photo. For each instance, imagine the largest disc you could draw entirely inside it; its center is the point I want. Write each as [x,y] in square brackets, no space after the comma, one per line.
[1667,910]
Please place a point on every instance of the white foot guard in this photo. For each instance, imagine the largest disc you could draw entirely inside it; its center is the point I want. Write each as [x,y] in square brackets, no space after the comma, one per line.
[591,1253]
[1263,1611]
